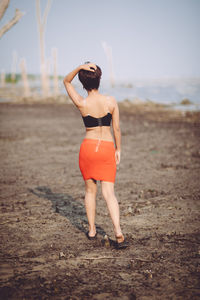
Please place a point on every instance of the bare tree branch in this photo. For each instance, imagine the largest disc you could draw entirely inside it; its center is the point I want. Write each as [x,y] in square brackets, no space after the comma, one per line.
[38,14]
[3,6]
[12,22]
[46,12]
[42,20]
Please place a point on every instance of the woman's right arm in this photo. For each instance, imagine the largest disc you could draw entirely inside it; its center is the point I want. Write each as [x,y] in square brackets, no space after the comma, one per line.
[116,131]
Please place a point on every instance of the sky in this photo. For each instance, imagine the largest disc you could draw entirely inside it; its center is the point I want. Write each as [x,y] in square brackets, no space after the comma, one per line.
[149,38]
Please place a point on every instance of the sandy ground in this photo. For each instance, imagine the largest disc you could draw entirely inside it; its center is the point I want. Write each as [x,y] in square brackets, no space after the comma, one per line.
[44,251]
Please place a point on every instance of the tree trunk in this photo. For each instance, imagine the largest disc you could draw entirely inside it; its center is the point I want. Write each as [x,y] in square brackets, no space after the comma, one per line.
[25,78]
[55,74]
[2,78]
[14,64]
[41,28]
[108,51]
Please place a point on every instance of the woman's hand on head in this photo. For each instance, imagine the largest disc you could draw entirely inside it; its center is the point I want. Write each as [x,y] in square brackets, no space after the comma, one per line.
[117,156]
[89,67]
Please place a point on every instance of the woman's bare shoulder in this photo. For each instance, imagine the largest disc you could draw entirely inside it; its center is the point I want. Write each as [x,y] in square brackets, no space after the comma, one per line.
[111,101]
[108,98]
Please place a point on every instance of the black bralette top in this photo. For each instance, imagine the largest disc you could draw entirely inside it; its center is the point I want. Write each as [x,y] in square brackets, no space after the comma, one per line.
[90,121]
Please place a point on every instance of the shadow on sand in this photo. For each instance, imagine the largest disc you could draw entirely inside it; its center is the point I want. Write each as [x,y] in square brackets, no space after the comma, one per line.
[65,205]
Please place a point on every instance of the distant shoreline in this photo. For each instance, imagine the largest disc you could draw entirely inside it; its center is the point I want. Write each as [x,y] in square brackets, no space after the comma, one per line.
[123,93]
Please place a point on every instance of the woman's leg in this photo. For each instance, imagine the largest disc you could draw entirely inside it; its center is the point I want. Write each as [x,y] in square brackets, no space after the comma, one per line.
[113,206]
[90,204]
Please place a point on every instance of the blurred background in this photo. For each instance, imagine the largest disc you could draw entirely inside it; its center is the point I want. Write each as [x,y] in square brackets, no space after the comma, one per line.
[148,50]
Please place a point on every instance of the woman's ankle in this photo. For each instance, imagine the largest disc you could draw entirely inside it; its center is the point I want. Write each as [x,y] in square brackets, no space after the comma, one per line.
[92,230]
[120,238]
[118,232]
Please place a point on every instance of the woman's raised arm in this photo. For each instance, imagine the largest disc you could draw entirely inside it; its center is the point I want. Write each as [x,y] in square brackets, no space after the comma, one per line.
[76,98]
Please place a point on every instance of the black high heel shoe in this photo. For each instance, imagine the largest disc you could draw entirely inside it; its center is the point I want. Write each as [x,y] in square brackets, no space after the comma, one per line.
[121,245]
[91,237]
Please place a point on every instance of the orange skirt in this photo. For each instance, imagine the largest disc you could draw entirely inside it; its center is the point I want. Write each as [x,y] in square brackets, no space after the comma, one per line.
[97,160]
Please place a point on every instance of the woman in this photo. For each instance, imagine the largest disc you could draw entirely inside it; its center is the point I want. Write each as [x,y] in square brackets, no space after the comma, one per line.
[98,156]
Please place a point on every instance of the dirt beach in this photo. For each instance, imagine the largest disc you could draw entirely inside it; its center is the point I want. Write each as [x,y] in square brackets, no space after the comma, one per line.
[44,251]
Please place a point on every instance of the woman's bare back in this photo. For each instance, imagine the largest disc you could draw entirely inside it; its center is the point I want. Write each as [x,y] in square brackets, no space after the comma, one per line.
[97,106]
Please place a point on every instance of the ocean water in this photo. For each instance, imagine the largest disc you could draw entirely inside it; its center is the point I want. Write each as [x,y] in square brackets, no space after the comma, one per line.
[169,91]
[165,91]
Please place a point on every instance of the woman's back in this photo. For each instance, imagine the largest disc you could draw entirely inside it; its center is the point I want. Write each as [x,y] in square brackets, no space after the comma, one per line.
[97,106]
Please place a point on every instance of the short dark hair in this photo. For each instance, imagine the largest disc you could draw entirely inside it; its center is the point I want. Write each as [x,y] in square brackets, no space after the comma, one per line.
[90,80]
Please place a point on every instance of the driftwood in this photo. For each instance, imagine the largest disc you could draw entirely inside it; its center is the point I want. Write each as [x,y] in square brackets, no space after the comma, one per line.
[95,258]
[18,14]
[110,257]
